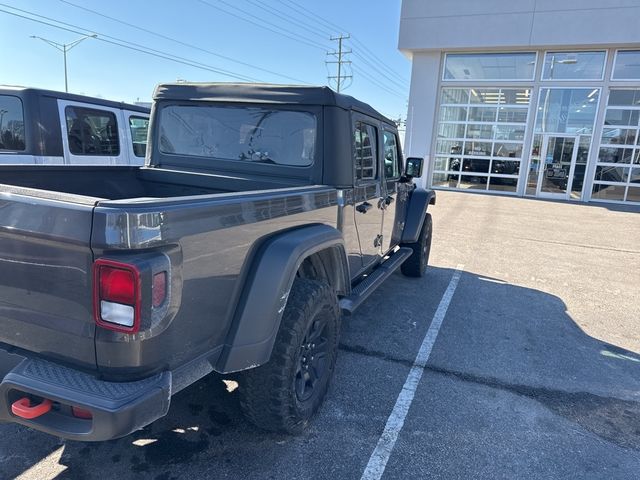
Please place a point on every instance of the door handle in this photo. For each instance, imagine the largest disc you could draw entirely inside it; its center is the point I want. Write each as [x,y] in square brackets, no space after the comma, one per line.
[364,207]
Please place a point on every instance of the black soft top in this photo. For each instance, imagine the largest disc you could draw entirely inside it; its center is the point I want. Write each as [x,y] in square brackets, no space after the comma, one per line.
[263,93]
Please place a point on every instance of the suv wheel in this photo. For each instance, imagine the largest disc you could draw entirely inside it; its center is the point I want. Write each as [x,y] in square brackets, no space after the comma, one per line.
[416,264]
[285,393]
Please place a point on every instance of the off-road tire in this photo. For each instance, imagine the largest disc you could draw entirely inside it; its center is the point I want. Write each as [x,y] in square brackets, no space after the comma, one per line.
[268,394]
[416,264]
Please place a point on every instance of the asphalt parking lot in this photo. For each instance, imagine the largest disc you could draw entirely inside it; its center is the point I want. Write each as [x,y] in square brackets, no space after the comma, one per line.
[535,370]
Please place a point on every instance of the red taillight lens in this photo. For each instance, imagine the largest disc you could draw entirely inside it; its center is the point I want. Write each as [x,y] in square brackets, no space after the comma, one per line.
[117,285]
[117,296]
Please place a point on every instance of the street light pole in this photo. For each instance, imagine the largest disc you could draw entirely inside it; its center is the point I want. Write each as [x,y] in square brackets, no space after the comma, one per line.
[64,48]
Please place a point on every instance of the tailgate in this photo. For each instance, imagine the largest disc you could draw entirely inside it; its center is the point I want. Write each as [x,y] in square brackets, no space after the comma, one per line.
[45,277]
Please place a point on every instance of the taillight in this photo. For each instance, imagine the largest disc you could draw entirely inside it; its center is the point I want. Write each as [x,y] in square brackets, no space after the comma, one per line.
[117,295]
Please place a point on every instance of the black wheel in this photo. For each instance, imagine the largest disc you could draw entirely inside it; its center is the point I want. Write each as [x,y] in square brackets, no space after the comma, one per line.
[285,393]
[416,264]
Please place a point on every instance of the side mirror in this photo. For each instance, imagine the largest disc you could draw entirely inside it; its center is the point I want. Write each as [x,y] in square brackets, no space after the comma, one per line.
[413,167]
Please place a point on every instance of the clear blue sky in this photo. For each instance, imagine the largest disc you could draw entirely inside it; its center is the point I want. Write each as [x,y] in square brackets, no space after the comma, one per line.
[102,69]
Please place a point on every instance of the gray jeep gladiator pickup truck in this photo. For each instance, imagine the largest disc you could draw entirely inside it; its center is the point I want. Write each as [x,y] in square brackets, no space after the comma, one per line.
[262,214]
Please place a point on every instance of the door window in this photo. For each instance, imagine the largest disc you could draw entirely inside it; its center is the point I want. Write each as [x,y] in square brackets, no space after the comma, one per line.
[391,156]
[366,151]
[11,123]
[139,127]
[92,132]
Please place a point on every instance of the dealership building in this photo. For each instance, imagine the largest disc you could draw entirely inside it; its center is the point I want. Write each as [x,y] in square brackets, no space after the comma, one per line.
[534,98]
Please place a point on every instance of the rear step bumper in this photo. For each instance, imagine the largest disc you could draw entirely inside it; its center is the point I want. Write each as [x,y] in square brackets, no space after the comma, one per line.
[117,408]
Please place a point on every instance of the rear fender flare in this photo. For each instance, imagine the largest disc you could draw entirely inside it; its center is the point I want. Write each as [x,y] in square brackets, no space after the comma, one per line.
[266,288]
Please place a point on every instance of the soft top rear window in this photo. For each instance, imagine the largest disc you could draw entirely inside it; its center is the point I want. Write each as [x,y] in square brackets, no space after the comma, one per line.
[248,134]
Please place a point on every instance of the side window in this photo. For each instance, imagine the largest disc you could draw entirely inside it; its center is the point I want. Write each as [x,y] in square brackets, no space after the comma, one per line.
[92,132]
[391,156]
[366,151]
[139,127]
[11,123]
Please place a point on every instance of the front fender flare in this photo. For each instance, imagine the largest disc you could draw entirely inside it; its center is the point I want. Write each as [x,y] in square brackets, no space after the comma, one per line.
[419,201]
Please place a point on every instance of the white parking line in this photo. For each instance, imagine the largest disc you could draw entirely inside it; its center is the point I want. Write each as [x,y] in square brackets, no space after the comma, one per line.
[380,456]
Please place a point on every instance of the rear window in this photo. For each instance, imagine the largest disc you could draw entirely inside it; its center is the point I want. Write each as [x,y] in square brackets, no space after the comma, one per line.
[92,132]
[11,123]
[248,134]
[139,128]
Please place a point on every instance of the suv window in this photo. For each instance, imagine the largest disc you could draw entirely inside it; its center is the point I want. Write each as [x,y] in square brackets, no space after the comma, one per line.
[391,157]
[139,127]
[92,132]
[11,123]
[366,151]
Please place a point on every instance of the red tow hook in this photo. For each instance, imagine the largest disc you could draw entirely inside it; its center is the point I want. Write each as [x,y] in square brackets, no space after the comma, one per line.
[22,408]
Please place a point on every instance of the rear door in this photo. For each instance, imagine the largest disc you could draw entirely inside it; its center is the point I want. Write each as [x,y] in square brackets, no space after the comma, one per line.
[45,276]
[92,134]
[368,188]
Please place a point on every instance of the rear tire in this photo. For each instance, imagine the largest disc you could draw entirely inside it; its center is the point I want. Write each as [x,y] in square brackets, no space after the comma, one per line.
[286,392]
[416,264]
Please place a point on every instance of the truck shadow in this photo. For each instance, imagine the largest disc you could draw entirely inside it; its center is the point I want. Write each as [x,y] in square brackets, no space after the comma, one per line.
[523,346]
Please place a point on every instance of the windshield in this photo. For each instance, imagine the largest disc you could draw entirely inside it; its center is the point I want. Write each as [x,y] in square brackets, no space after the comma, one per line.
[250,134]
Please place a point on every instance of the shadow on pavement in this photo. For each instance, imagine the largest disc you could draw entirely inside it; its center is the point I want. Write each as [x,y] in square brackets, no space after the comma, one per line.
[495,334]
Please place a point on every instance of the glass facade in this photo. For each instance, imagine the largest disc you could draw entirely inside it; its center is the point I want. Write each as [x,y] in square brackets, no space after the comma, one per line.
[627,65]
[565,127]
[573,65]
[480,138]
[617,174]
[490,66]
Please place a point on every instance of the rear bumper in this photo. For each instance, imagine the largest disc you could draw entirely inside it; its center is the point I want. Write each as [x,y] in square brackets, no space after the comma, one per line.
[117,408]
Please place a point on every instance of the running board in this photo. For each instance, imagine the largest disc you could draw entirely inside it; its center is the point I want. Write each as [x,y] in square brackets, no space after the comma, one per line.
[366,287]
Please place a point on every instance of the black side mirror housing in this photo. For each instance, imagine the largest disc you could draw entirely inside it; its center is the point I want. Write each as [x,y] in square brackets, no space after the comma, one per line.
[413,167]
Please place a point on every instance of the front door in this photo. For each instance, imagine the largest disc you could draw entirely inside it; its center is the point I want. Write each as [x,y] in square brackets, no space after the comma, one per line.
[391,171]
[558,158]
[368,191]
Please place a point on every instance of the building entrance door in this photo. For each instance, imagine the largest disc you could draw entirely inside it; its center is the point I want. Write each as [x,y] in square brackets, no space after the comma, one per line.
[558,158]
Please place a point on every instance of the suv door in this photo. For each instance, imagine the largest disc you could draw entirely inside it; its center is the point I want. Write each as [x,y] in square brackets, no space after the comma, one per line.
[91,134]
[368,188]
[392,162]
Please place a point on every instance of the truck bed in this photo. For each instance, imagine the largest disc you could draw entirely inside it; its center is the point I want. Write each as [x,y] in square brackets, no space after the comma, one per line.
[55,221]
[118,183]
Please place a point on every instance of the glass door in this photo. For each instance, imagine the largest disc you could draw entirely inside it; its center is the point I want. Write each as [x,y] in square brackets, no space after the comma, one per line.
[558,158]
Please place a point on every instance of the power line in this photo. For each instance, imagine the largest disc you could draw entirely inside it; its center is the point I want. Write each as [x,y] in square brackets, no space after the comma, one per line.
[377,59]
[180,42]
[377,70]
[378,84]
[287,18]
[261,23]
[125,44]
[292,5]
[365,51]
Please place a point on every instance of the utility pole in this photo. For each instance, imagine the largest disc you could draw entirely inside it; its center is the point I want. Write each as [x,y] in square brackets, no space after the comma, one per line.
[64,48]
[339,78]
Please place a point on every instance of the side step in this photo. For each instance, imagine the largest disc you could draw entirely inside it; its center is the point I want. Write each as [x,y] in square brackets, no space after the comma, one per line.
[366,287]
